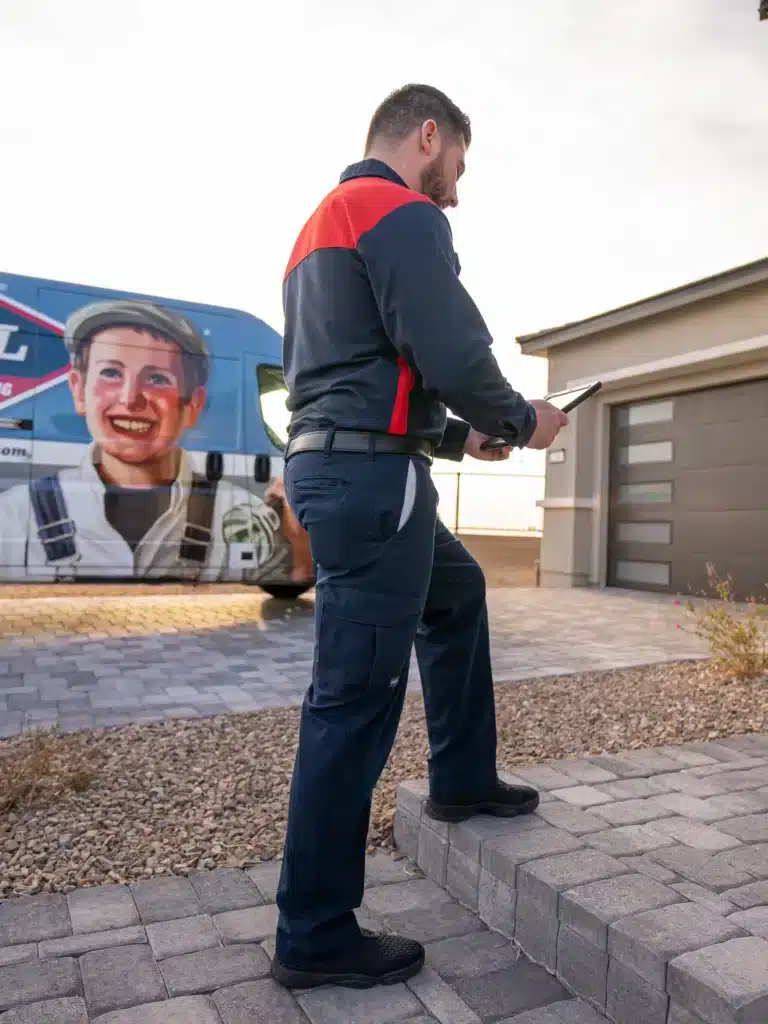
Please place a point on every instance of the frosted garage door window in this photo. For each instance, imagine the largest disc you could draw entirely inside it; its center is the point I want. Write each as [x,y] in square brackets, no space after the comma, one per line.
[654,574]
[645,494]
[638,454]
[644,533]
[646,412]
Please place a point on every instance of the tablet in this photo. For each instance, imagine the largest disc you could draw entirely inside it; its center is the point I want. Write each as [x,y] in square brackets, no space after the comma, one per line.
[571,397]
[563,400]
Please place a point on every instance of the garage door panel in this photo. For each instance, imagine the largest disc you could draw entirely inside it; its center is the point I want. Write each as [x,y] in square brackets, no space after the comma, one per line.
[747,526]
[689,485]
[717,490]
[726,444]
[735,404]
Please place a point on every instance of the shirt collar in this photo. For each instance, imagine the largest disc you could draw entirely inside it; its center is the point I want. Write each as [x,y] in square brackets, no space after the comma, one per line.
[371,169]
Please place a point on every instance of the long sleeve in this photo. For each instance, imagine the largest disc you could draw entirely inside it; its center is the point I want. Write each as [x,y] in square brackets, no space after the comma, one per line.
[434,324]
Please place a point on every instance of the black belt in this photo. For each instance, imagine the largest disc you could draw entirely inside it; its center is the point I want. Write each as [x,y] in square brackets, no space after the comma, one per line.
[358,441]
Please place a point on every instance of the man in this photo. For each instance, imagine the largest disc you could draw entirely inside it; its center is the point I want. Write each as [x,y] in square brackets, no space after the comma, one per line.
[134,507]
[380,337]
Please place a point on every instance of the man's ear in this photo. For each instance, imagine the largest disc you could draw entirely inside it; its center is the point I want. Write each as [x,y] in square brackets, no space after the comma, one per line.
[77,387]
[428,136]
[194,407]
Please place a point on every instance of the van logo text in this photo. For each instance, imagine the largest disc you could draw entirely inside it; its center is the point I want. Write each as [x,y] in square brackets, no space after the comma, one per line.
[6,331]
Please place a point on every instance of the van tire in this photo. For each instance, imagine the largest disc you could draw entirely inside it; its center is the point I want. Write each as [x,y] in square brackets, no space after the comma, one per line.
[286,591]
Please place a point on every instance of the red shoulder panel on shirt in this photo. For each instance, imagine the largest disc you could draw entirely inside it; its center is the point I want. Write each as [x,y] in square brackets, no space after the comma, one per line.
[347,213]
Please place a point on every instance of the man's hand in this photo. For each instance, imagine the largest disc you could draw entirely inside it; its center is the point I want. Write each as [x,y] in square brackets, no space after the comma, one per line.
[472,447]
[549,422]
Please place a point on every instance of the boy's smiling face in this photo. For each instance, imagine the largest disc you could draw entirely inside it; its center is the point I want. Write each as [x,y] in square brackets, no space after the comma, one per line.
[132,395]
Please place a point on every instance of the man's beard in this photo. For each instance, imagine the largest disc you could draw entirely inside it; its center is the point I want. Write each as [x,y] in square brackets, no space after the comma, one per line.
[433,184]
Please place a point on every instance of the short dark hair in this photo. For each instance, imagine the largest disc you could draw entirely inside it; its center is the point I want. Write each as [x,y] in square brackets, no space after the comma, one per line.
[409,107]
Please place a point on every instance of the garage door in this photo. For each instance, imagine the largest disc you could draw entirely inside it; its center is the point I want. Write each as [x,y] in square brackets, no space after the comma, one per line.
[689,485]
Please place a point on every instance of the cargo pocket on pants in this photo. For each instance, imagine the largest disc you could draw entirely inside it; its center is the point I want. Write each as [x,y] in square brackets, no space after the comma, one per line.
[363,645]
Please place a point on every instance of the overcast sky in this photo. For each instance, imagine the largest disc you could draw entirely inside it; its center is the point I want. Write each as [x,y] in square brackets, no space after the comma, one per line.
[176,146]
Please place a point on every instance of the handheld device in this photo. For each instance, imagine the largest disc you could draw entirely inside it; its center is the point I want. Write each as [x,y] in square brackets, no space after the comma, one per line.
[564,400]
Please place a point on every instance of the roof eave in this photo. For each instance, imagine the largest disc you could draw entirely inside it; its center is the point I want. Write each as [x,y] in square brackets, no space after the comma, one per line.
[686,295]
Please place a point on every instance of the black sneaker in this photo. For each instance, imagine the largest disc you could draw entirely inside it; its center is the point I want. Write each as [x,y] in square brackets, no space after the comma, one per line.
[378,959]
[504,801]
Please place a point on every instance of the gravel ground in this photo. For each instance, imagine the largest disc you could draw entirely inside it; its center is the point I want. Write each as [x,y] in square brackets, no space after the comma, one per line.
[184,795]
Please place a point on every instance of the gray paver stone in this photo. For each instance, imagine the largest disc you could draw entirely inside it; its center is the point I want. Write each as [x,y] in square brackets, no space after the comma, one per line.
[752,859]
[33,918]
[629,840]
[570,819]
[166,898]
[723,983]
[590,909]
[631,1000]
[406,833]
[751,828]
[462,877]
[692,785]
[225,889]
[692,807]
[265,877]
[469,836]
[541,881]
[432,855]
[536,933]
[542,776]
[252,925]
[16,954]
[51,1011]
[380,1005]
[679,1015]
[704,897]
[115,979]
[746,897]
[496,903]
[418,894]
[440,999]
[196,973]
[524,987]
[257,1002]
[582,966]
[697,836]
[754,921]
[582,771]
[32,982]
[102,908]
[624,767]
[707,870]
[381,868]
[647,942]
[634,789]
[571,1011]
[645,865]
[443,921]
[503,855]
[412,795]
[187,1010]
[582,796]
[76,945]
[469,955]
[188,935]
[631,812]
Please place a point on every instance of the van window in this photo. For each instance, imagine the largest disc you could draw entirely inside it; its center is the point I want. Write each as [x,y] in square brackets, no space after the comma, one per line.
[273,394]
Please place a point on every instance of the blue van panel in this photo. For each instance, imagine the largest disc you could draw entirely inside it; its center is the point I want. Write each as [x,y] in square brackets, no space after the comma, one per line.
[43,435]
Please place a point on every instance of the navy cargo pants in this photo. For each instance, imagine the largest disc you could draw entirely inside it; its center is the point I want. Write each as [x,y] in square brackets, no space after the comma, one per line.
[388,574]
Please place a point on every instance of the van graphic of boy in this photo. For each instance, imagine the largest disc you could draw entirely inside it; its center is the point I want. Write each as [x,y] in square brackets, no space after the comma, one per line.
[134,507]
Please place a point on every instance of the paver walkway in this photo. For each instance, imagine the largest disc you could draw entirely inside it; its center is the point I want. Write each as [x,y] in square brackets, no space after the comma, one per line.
[197,951]
[641,883]
[188,656]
